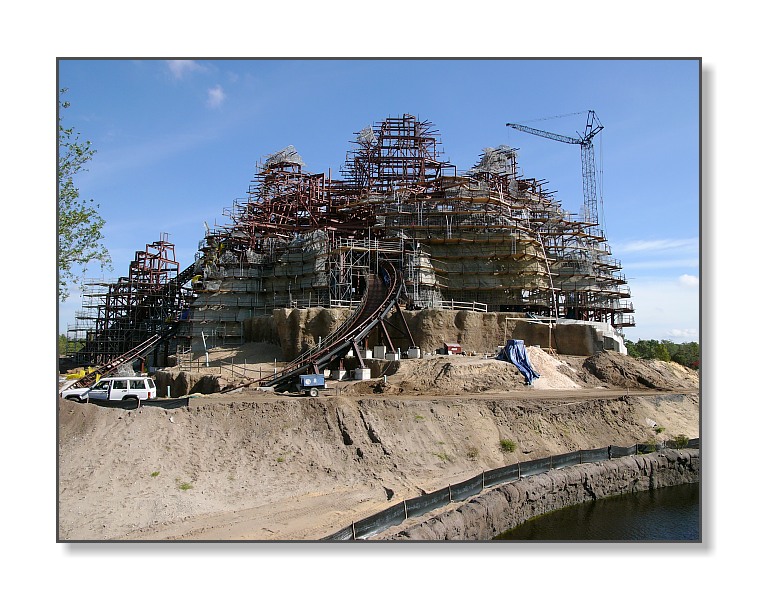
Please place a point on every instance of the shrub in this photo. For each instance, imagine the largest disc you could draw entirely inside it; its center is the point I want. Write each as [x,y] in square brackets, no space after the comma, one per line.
[507,446]
[680,441]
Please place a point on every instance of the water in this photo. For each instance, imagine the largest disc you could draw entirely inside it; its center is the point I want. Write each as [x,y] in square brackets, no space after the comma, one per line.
[664,514]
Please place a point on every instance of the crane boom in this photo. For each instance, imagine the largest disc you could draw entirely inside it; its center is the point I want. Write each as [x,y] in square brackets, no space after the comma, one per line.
[589,185]
[546,134]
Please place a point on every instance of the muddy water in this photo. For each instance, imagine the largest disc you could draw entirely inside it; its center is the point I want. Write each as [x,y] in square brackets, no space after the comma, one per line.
[663,514]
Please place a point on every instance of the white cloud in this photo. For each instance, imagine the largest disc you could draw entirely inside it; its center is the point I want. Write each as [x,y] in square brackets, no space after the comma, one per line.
[664,309]
[216,96]
[655,245]
[179,68]
[673,263]
[689,335]
[688,280]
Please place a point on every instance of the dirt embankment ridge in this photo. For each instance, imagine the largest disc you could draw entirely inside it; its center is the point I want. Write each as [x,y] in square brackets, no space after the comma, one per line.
[255,466]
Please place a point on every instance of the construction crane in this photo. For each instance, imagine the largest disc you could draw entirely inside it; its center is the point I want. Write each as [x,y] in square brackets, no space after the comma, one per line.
[589,186]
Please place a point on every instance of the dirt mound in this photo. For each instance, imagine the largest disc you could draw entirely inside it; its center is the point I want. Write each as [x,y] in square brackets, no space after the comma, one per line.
[623,371]
[469,374]
[451,374]
[301,468]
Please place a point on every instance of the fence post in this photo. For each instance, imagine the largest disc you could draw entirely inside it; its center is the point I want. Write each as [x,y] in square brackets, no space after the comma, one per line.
[450,493]
[353,529]
[405,508]
[519,470]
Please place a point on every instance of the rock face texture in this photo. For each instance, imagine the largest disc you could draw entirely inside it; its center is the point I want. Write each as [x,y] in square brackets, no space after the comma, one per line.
[506,506]
[296,330]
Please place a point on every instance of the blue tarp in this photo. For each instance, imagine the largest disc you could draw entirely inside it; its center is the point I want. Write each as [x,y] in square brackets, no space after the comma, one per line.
[515,352]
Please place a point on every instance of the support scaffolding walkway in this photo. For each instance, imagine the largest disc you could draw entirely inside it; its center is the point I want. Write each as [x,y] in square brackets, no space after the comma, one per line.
[139,350]
[382,294]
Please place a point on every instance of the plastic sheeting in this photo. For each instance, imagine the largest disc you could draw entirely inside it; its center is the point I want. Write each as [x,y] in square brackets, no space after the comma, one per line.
[515,352]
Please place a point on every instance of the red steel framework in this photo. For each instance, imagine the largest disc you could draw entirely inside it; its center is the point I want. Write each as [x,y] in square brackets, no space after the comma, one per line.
[121,315]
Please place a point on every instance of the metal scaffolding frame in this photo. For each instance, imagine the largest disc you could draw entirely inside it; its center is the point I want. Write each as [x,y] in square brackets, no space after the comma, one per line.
[118,316]
[487,237]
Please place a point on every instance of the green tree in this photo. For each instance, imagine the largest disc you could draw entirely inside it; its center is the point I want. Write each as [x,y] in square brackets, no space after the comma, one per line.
[79,224]
[661,352]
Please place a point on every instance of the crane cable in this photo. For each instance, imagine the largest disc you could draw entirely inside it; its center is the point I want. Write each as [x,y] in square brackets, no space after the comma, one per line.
[581,112]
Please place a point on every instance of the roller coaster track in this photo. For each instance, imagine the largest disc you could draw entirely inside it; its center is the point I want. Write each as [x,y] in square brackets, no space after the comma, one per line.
[169,290]
[142,311]
[382,292]
[140,349]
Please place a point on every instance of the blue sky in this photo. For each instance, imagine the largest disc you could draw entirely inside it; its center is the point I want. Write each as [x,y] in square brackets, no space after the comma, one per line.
[177,142]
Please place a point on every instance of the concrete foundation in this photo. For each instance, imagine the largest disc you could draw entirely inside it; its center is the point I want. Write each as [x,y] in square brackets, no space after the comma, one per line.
[362,374]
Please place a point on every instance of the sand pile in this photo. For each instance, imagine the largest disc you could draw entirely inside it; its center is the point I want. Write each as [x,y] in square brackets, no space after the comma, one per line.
[618,370]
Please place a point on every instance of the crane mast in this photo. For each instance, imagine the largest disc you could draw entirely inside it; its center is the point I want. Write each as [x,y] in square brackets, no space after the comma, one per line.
[591,212]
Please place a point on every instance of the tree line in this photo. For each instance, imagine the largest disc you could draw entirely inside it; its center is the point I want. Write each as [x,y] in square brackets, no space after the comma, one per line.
[687,354]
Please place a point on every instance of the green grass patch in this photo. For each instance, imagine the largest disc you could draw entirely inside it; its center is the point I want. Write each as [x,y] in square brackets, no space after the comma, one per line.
[507,446]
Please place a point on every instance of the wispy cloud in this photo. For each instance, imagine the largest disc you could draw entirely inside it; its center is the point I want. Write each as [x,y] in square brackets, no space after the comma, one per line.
[661,264]
[180,68]
[216,96]
[681,334]
[656,245]
[688,280]
[665,308]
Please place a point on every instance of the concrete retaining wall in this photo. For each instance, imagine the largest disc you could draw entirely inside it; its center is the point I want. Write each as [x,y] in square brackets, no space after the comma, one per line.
[507,506]
[297,329]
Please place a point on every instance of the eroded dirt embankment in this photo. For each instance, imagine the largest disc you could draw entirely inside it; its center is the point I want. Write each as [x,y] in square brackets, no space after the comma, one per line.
[254,466]
[504,507]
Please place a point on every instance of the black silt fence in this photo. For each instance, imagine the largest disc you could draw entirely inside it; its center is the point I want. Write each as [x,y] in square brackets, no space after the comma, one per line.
[466,489]
[501,475]
[595,455]
[341,535]
[394,515]
[647,448]
[423,504]
[621,451]
[535,467]
[567,460]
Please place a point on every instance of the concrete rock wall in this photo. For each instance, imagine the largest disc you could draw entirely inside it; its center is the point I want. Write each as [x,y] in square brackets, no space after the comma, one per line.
[507,506]
[295,330]
[183,383]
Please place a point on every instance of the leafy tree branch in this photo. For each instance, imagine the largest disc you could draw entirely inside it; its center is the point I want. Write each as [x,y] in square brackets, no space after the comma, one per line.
[79,223]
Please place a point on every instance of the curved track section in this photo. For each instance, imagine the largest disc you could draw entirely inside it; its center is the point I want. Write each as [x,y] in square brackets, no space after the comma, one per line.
[382,292]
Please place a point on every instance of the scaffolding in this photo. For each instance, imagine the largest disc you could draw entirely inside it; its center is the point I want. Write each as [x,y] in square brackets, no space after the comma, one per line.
[118,316]
[486,237]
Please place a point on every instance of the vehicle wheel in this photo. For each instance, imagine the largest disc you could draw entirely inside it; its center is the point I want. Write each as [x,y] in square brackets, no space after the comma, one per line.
[75,398]
[313,392]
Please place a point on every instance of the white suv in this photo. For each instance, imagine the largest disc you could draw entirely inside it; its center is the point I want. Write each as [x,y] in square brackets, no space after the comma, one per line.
[115,389]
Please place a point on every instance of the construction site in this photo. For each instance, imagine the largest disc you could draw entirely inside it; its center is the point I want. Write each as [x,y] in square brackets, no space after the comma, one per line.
[400,233]
[400,287]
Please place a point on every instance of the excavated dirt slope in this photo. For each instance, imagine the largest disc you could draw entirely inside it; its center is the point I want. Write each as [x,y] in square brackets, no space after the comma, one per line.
[252,465]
